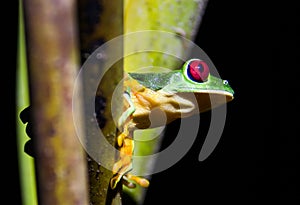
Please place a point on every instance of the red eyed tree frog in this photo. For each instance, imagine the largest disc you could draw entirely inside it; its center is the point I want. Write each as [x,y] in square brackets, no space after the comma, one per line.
[146,92]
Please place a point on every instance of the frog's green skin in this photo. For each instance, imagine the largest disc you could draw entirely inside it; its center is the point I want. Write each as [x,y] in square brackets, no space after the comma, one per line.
[175,94]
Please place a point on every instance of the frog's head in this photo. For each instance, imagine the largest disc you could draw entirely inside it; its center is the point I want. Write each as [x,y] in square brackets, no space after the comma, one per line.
[195,77]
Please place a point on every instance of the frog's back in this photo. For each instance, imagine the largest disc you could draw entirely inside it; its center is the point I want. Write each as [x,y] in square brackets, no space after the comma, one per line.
[153,81]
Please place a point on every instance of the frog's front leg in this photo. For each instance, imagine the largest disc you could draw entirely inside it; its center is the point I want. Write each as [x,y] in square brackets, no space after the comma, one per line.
[126,143]
[123,120]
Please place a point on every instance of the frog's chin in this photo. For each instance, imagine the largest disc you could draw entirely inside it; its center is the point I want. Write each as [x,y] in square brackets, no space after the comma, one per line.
[211,99]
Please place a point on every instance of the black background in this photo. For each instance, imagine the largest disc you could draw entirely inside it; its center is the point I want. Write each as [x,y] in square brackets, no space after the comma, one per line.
[253,45]
[244,168]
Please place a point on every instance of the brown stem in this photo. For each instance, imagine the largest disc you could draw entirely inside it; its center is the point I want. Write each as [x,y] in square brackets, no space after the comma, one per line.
[53,63]
[101,21]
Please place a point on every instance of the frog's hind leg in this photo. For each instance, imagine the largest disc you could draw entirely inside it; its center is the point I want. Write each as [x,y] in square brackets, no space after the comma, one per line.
[124,165]
[120,168]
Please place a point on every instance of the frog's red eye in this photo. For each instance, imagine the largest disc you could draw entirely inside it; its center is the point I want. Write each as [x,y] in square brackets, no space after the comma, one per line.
[198,71]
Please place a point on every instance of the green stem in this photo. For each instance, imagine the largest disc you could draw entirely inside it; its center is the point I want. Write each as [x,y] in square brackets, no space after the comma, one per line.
[26,163]
[181,17]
